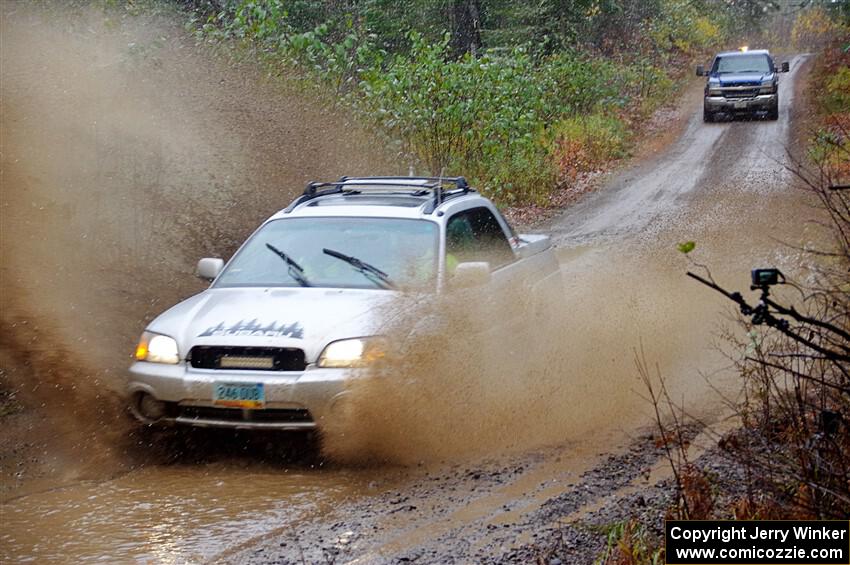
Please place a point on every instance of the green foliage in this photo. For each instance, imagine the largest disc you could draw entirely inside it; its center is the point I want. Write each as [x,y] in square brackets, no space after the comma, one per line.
[814,28]
[586,142]
[829,146]
[392,21]
[340,62]
[628,542]
[581,84]
[525,112]
[836,95]
[746,16]
[686,247]
[681,27]
[259,20]
[482,115]
[512,123]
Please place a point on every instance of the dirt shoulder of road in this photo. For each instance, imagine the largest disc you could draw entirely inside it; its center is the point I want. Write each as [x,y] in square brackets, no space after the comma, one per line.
[592,533]
[633,484]
[803,113]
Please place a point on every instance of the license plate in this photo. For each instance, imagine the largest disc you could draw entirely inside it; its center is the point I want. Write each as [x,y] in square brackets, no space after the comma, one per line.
[239,395]
[740,105]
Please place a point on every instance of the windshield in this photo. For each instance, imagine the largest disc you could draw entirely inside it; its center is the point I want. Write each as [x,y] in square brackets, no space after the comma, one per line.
[405,250]
[743,64]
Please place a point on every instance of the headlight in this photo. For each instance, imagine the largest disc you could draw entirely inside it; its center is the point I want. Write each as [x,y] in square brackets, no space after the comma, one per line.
[156,348]
[358,352]
[715,92]
[767,87]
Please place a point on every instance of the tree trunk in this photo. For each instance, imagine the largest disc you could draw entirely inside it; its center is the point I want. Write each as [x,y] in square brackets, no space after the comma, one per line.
[466,29]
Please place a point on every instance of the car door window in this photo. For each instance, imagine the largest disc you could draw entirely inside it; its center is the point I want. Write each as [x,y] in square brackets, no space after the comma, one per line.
[475,235]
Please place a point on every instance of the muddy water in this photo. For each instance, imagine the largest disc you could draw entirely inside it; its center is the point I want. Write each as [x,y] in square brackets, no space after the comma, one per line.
[167,515]
[191,513]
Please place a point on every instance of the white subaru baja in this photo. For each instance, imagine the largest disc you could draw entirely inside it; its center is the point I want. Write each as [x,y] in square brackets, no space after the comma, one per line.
[296,311]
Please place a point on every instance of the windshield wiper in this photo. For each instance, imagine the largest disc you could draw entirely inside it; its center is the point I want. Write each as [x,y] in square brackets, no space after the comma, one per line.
[296,271]
[371,272]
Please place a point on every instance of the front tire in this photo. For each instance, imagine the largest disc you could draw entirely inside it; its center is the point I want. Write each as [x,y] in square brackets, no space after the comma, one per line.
[773,113]
[707,117]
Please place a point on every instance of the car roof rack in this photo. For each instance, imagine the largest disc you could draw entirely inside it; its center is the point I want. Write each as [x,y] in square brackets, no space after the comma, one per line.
[417,186]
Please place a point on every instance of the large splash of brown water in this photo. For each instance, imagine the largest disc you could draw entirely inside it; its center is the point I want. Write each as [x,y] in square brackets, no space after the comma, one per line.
[460,385]
[127,154]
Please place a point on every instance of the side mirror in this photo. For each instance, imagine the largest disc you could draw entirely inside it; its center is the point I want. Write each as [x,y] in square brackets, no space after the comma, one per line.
[209,268]
[532,244]
[700,70]
[472,274]
[786,67]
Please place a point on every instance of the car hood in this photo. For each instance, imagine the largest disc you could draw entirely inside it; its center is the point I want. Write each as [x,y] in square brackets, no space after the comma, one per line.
[306,318]
[741,79]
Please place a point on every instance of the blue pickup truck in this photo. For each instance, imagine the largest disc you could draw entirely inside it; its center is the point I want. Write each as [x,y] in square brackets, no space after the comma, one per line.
[742,82]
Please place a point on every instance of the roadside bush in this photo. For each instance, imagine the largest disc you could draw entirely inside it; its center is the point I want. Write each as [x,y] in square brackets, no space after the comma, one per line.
[262,21]
[585,143]
[482,115]
[830,144]
[648,86]
[836,94]
[628,543]
[580,84]
[338,61]
[814,29]
[795,439]
[491,116]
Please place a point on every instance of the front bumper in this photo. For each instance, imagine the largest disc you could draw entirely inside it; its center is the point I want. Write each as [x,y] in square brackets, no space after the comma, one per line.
[758,103]
[301,400]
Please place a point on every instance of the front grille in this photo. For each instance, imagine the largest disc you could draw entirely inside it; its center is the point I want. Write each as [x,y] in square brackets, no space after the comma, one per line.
[747,93]
[247,358]
[288,415]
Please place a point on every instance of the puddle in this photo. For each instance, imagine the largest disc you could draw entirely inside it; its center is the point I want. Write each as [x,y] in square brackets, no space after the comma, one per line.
[167,515]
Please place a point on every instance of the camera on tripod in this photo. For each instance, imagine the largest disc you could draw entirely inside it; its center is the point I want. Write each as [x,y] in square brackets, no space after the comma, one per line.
[763,278]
